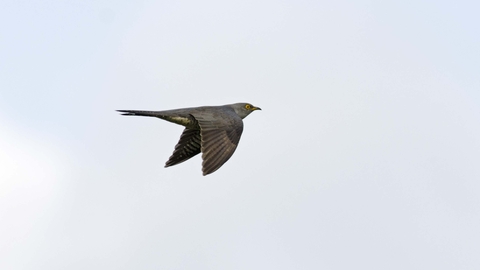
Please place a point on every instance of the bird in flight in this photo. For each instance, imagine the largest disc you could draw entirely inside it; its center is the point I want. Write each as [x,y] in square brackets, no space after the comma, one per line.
[212,130]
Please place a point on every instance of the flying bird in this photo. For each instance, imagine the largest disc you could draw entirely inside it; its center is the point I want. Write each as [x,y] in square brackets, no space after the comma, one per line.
[212,130]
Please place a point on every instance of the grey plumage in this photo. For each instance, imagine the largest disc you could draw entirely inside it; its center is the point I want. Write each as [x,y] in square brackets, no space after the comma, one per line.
[212,130]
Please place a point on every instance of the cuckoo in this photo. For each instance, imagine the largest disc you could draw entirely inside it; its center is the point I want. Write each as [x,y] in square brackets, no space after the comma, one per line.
[212,130]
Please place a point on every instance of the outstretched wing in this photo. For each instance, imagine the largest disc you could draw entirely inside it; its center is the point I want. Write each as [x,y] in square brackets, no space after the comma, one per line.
[187,147]
[220,133]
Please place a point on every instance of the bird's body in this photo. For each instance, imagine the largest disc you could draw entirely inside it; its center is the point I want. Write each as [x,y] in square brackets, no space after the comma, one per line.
[212,130]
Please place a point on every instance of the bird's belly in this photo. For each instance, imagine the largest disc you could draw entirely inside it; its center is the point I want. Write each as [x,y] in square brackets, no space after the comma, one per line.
[188,122]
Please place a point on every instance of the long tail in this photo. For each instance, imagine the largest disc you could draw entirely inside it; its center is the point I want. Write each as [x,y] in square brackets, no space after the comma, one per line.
[139,113]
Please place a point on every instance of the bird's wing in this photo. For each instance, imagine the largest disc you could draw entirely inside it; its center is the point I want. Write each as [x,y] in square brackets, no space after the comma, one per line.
[187,147]
[220,133]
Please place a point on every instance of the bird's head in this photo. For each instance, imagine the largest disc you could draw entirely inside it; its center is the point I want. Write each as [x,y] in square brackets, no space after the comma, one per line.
[244,109]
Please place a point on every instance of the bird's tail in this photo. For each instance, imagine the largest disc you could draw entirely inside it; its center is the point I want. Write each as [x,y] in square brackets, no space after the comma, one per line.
[139,113]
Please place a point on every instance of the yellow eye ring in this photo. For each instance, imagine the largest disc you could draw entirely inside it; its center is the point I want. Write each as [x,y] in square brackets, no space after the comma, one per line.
[248,106]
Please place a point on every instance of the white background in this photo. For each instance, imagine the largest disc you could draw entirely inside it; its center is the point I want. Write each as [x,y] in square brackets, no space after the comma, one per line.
[365,156]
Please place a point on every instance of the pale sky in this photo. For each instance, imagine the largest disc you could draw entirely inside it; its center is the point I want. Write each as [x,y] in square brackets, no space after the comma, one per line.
[365,156]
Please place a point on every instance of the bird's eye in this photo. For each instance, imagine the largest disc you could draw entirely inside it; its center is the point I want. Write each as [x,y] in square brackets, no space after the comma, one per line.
[248,106]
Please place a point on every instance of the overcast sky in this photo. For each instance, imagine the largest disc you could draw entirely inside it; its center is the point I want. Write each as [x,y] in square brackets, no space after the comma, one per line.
[366,154]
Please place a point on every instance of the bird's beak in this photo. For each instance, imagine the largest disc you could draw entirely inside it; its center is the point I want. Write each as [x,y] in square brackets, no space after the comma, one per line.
[256,108]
